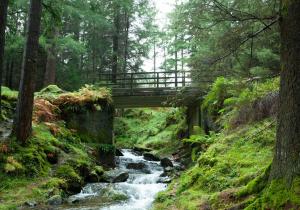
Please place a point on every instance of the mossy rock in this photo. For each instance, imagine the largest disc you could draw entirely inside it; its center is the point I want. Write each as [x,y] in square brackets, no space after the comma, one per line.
[50,93]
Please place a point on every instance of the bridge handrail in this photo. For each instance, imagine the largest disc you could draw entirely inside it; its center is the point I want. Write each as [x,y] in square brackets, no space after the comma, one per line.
[131,79]
[152,72]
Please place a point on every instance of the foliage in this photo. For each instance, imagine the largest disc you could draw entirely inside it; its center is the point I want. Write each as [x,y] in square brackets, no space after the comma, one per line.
[230,103]
[9,94]
[67,172]
[44,111]
[49,93]
[28,174]
[79,34]
[252,103]
[162,127]
[222,89]
[218,40]
[86,95]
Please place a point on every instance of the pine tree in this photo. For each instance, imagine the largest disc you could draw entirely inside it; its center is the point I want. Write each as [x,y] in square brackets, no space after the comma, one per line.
[23,120]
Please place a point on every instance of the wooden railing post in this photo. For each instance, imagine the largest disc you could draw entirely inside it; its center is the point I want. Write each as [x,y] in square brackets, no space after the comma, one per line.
[176,77]
[165,79]
[157,80]
[131,83]
[183,82]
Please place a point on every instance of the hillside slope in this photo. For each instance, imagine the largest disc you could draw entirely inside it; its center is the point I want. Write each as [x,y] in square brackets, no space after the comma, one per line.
[232,163]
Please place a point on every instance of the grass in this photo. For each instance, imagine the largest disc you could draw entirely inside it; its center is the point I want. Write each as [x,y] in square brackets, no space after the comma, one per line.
[15,191]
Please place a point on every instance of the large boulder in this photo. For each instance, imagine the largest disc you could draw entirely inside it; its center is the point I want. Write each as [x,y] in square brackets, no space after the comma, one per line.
[74,187]
[119,153]
[55,200]
[115,176]
[150,157]
[166,162]
[136,166]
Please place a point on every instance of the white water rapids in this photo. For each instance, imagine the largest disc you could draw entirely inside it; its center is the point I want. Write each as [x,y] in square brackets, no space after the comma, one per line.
[141,187]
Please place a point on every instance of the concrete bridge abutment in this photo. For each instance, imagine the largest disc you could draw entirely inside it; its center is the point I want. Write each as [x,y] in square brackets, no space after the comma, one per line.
[193,117]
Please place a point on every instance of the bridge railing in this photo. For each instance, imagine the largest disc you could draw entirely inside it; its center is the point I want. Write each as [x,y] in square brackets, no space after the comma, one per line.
[147,79]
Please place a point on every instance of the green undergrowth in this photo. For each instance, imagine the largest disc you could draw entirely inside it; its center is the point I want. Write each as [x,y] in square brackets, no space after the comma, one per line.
[278,195]
[232,164]
[157,129]
[28,172]
[50,93]
[8,94]
[231,102]
[8,100]
[229,163]
[54,161]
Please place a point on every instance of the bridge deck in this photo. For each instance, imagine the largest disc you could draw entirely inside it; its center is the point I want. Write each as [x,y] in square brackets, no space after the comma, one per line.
[154,97]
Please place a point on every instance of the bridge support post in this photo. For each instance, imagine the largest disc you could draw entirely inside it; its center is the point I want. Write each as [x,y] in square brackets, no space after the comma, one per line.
[193,116]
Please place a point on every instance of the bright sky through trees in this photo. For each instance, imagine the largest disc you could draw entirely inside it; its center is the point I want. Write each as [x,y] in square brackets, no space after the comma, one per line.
[164,7]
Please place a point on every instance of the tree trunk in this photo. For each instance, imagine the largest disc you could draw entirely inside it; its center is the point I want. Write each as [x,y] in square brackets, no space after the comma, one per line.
[176,61]
[115,58]
[154,55]
[11,73]
[286,163]
[126,50]
[3,17]
[23,120]
[50,73]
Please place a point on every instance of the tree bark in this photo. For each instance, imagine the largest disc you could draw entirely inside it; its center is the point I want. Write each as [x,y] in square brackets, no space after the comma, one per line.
[23,120]
[3,17]
[286,163]
[115,59]
[126,50]
[50,73]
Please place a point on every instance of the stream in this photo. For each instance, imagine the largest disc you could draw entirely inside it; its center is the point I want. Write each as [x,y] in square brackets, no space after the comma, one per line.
[140,188]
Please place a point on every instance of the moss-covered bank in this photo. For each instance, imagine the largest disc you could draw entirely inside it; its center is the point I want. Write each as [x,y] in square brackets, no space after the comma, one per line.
[56,161]
[157,129]
[232,165]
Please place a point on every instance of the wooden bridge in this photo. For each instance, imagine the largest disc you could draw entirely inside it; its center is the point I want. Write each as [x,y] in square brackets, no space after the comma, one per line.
[151,89]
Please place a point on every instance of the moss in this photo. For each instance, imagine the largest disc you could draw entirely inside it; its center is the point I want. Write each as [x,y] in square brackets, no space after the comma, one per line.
[15,191]
[162,127]
[54,183]
[86,96]
[230,158]
[49,93]
[278,195]
[8,207]
[13,166]
[53,158]
[98,170]
[256,185]
[8,94]
[67,172]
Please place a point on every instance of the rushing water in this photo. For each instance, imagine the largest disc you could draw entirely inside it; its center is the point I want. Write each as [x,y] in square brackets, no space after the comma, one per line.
[141,187]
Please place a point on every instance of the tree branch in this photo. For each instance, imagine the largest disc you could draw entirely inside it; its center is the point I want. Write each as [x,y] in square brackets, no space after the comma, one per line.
[250,36]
